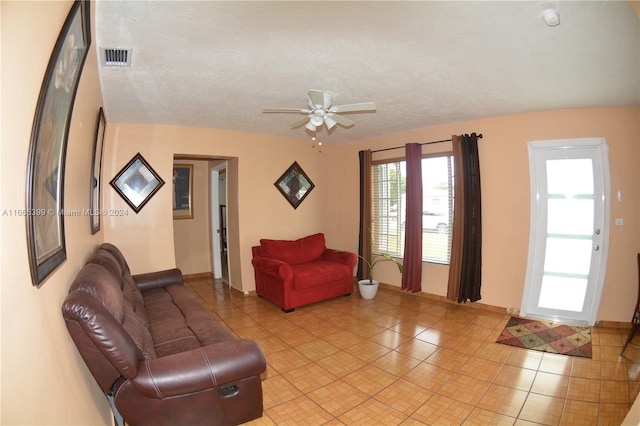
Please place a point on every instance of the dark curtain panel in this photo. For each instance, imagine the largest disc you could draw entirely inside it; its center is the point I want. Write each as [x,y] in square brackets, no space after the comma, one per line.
[412,264]
[364,241]
[465,268]
[455,263]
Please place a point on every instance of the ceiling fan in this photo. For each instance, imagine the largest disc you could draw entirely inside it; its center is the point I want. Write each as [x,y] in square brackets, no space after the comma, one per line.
[322,111]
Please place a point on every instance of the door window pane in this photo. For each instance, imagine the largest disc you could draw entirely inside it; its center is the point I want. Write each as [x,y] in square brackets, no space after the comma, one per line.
[570,176]
[568,256]
[562,293]
[570,216]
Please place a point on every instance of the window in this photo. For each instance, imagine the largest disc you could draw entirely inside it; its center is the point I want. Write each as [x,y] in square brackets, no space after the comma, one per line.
[389,207]
[388,194]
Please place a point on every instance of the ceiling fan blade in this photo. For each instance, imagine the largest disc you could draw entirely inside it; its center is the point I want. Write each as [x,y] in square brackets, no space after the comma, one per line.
[299,123]
[364,106]
[316,98]
[341,120]
[328,100]
[288,110]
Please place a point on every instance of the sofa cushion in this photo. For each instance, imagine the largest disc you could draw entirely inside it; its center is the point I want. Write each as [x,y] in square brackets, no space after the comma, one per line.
[178,322]
[100,283]
[139,332]
[295,252]
[318,273]
[117,254]
[111,262]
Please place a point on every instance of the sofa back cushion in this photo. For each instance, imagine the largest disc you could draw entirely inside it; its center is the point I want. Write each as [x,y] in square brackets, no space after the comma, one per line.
[117,254]
[132,315]
[114,262]
[303,250]
[94,312]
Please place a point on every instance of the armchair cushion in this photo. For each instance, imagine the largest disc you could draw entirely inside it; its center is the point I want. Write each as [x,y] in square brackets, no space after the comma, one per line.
[318,273]
[295,252]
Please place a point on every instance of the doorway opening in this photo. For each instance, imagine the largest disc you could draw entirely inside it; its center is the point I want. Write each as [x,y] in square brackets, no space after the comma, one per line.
[219,238]
[203,244]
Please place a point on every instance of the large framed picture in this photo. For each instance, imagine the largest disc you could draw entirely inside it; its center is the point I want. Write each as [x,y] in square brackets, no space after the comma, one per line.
[47,150]
[294,185]
[183,191]
[96,167]
[137,182]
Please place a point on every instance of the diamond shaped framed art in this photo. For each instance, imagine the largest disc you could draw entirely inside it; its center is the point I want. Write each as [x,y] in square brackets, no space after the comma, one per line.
[294,185]
[137,182]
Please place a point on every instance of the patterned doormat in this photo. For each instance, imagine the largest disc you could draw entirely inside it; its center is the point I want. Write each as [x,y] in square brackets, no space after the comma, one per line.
[547,336]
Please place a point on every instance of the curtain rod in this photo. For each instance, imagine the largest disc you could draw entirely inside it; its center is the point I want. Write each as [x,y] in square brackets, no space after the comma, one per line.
[424,143]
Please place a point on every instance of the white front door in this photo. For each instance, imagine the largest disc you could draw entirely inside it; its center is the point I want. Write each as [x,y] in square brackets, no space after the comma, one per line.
[569,229]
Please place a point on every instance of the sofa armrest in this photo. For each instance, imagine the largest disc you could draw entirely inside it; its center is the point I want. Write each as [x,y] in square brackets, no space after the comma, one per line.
[158,279]
[274,267]
[344,257]
[199,369]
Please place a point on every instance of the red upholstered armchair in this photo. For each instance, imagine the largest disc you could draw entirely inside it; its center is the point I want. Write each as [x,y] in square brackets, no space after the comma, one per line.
[297,273]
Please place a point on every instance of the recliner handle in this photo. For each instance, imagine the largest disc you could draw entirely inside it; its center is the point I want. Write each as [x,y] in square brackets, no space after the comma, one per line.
[229,390]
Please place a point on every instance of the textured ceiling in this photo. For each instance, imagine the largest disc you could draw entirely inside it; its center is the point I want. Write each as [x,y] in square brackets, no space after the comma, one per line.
[218,64]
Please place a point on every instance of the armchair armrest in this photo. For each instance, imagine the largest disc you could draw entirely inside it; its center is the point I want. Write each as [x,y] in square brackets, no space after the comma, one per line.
[158,279]
[274,267]
[344,257]
[199,369]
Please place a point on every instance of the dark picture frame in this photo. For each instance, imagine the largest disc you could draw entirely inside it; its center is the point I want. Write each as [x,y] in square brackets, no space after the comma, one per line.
[294,185]
[137,182]
[48,145]
[183,191]
[96,169]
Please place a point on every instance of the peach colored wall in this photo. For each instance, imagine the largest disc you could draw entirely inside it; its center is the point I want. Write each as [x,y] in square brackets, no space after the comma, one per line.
[148,234]
[44,380]
[505,199]
[192,237]
[332,207]
[255,207]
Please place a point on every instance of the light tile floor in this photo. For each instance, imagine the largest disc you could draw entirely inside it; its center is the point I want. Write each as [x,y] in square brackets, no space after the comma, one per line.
[403,359]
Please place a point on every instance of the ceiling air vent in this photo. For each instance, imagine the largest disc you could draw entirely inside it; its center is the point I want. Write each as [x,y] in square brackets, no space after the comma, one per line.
[115,57]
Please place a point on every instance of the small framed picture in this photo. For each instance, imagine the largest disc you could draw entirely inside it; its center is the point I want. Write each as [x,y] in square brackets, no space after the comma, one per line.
[137,182]
[94,194]
[183,191]
[294,184]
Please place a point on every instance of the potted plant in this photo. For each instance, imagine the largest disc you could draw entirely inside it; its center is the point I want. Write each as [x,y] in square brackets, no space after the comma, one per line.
[369,287]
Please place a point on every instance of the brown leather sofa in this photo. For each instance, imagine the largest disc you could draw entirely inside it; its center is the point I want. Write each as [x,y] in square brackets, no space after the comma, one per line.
[159,356]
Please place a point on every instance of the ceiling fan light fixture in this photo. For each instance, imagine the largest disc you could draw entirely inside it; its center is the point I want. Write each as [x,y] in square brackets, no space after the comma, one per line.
[330,122]
[322,112]
[316,120]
